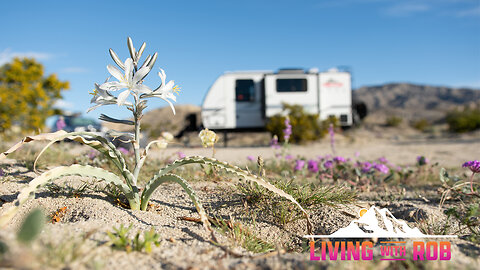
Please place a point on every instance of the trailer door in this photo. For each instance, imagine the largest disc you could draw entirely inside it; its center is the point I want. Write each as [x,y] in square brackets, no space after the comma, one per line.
[248,102]
[293,89]
[336,96]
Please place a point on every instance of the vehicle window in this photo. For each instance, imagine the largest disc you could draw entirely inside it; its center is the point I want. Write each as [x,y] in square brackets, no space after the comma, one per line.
[244,91]
[291,85]
[82,121]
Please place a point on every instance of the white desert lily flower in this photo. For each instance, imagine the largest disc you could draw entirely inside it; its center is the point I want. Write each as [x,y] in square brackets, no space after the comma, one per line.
[132,81]
[103,97]
[165,91]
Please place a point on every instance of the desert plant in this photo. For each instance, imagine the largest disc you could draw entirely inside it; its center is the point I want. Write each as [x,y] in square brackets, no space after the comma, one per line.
[130,83]
[308,195]
[29,230]
[421,124]
[120,239]
[467,211]
[463,121]
[31,226]
[393,121]
[304,126]
[242,235]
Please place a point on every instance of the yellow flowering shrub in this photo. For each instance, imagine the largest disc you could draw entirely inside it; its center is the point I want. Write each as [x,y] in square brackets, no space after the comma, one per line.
[27,95]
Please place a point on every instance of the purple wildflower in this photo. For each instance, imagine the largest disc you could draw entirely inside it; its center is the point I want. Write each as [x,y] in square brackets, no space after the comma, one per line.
[421,160]
[328,164]
[356,154]
[288,130]
[288,157]
[299,164]
[312,166]
[339,159]
[274,142]
[365,166]
[251,158]
[473,165]
[331,132]
[381,168]
[2,173]
[383,160]
[181,155]
[123,150]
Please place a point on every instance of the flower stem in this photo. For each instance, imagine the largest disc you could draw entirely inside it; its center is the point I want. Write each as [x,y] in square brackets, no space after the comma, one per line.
[471,183]
[137,115]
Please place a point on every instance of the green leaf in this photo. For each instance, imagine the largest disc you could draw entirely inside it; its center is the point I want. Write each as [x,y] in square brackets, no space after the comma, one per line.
[157,180]
[388,178]
[151,185]
[31,226]
[358,172]
[88,138]
[444,177]
[107,118]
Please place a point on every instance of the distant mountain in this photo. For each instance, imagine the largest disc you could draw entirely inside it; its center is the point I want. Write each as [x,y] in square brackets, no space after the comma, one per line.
[413,101]
[408,101]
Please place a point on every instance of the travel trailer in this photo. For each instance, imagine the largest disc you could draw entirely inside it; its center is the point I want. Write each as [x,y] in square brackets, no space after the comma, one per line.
[246,99]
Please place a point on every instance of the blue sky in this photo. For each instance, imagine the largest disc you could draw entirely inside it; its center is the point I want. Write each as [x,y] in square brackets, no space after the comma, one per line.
[433,42]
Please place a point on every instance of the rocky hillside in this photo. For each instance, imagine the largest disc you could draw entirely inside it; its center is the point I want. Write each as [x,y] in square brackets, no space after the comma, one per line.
[162,119]
[412,101]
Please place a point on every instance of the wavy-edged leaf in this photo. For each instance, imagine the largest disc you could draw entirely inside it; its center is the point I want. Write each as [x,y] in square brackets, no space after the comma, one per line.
[62,171]
[25,140]
[98,143]
[88,138]
[144,156]
[227,167]
[157,180]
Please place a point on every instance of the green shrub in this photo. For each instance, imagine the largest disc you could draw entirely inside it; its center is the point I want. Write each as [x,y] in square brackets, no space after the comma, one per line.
[305,126]
[463,121]
[421,124]
[393,121]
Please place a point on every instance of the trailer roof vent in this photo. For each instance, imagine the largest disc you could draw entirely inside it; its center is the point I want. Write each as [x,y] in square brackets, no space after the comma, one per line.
[291,71]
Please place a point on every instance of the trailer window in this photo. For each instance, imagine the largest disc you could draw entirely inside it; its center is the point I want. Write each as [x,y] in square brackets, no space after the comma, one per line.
[244,90]
[291,85]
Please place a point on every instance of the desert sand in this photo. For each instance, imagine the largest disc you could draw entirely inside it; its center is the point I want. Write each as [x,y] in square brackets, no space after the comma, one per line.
[79,240]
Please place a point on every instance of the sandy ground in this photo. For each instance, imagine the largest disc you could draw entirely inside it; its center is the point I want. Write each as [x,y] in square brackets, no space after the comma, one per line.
[449,152]
[79,240]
